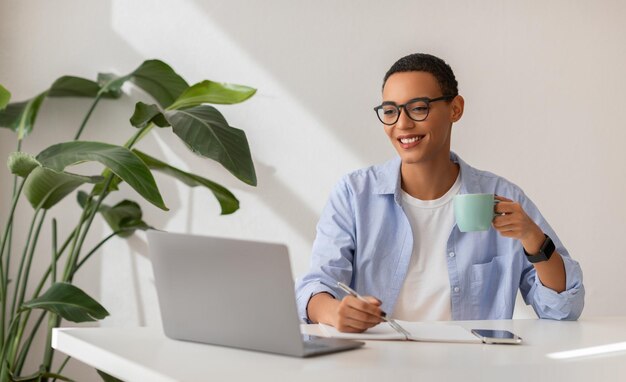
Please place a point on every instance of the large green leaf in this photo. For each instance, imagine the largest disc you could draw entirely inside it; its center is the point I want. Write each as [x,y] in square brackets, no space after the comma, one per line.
[105,79]
[205,131]
[69,86]
[69,302]
[160,81]
[153,76]
[124,217]
[228,201]
[45,187]
[121,161]
[113,185]
[145,114]
[20,116]
[5,97]
[212,92]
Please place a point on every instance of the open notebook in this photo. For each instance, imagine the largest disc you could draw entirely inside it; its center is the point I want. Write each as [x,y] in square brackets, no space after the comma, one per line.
[420,331]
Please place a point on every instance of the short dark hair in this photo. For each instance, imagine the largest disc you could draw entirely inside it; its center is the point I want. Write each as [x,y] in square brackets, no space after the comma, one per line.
[422,62]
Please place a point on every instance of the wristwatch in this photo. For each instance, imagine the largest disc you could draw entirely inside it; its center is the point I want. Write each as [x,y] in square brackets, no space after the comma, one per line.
[546,250]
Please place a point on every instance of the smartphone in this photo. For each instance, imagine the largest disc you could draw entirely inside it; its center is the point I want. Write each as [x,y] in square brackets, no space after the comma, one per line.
[490,336]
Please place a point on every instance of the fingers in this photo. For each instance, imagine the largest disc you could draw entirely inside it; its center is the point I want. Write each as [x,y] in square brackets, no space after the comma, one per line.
[507,207]
[354,315]
[502,198]
[512,221]
[373,300]
[503,221]
[354,326]
[370,308]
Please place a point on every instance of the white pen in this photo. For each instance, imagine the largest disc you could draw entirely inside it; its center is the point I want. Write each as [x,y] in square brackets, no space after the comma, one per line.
[391,322]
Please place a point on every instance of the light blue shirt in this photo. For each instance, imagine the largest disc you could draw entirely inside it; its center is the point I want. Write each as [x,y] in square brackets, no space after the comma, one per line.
[364,239]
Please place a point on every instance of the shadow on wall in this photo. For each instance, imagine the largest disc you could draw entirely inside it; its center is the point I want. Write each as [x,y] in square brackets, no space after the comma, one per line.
[272,191]
[294,37]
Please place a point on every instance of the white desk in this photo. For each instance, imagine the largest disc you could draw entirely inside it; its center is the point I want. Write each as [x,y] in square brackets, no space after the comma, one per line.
[145,354]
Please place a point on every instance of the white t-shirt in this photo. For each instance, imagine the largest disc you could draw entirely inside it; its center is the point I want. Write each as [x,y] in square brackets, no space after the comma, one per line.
[425,294]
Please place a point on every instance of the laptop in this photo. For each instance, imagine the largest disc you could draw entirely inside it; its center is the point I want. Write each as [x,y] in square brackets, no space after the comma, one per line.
[232,293]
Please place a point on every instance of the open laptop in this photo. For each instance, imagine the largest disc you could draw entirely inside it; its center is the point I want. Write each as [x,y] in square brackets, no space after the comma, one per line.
[232,293]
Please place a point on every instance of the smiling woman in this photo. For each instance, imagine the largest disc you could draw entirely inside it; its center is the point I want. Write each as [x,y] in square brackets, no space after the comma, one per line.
[425,263]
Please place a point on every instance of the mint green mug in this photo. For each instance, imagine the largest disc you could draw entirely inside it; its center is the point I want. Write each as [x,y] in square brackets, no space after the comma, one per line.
[474,212]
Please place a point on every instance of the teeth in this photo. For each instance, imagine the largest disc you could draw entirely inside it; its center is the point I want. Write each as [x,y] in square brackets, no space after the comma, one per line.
[410,140]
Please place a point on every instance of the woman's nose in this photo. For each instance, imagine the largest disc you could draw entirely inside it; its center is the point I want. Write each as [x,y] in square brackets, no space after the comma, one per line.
[404,122]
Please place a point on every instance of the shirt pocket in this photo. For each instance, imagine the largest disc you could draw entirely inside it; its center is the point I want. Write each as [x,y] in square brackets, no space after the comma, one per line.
[491,299]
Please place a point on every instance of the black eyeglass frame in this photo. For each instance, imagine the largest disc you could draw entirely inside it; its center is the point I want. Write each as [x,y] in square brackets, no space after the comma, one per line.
[403,106]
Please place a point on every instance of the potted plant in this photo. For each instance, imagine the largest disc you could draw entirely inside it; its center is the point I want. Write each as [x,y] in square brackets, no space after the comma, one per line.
[45,179]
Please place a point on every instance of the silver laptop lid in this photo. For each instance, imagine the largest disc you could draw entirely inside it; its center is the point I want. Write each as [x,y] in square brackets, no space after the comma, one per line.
[226,292]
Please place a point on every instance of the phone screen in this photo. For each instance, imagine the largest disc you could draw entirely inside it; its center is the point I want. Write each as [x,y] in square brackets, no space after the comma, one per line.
[502,334]
[497,336]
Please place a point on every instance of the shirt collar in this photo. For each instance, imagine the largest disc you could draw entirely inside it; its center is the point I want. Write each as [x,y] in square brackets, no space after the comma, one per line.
[389,176]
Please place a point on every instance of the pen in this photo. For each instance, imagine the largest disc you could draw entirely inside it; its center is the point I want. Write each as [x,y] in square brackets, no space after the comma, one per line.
[390,321]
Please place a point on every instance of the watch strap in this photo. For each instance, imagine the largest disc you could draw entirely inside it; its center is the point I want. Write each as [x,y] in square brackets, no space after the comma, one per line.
[545,252]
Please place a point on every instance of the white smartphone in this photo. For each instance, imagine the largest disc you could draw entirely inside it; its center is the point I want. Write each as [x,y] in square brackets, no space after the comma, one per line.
[490,336]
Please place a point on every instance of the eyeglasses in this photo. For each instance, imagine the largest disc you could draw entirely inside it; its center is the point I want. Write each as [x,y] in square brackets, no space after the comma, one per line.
[417,109]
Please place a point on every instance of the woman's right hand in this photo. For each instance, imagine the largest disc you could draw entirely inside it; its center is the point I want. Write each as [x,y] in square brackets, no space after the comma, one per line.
[349,315]
[355,316]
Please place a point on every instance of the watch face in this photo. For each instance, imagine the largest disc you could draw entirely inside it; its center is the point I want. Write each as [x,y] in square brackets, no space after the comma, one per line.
[547,249]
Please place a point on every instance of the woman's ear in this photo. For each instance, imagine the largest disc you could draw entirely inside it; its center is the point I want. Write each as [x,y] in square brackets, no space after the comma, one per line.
[458,105]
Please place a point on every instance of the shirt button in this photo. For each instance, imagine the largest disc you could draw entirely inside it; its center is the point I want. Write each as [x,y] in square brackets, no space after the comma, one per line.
[456,289]
[451,254]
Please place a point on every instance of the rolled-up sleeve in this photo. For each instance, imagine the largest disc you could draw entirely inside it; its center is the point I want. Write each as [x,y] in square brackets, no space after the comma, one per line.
[333,250]
[567,305]
[547,303]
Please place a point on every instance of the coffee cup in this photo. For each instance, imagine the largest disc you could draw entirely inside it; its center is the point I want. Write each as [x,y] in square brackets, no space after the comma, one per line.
[474,212]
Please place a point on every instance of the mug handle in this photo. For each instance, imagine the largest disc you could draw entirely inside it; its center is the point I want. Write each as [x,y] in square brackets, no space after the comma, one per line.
[496,201]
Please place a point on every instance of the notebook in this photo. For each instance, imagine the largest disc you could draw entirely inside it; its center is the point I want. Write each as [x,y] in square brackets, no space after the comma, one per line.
[231,292]
[420,331]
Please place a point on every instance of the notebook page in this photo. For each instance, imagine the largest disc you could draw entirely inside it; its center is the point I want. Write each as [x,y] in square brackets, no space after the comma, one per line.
[438,332]
[381,331]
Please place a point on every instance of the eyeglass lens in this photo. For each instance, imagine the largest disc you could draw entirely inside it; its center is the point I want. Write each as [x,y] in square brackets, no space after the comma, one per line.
[416,110]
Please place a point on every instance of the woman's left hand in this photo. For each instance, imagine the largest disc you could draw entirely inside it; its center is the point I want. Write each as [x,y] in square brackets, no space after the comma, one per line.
[512,221]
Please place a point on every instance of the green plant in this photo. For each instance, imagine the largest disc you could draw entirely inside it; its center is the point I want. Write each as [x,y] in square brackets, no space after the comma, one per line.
[43,180]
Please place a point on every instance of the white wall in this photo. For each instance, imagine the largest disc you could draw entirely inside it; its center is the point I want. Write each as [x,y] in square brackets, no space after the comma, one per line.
[543,83]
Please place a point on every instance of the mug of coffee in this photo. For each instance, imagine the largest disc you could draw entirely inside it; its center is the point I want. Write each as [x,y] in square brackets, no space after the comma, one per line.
[474,212]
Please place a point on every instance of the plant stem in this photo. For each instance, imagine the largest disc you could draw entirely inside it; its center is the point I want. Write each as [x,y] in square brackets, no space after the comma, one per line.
[22,326]
[54,251]
[21,268]
[24,351]
[26,346]
[6,366]
[48,271]
[49,354]
[10,219]
[138,135]
[4,273]
[10,239]
[30,258]
[70,260]
[96,248]
[73,259]
[62,366]
[91,109]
